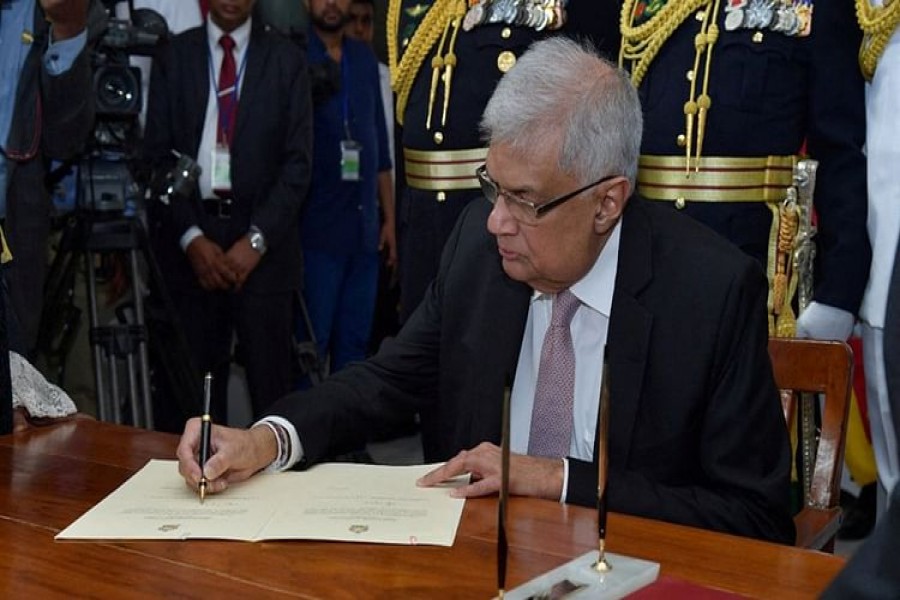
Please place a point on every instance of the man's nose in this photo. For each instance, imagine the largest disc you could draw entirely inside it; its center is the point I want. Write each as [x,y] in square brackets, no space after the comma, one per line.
[500,222]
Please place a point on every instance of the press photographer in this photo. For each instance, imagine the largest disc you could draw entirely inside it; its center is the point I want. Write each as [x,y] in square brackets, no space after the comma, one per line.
[46,111]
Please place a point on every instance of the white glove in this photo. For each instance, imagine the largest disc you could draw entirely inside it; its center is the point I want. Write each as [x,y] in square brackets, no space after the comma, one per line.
[823,322]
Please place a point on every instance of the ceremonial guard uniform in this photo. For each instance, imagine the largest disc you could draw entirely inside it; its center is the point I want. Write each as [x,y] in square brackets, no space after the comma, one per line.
[880,312]
[731,91]
[446,57]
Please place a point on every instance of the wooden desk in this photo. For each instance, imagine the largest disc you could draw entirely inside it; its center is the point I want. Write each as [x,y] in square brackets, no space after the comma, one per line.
[50,476]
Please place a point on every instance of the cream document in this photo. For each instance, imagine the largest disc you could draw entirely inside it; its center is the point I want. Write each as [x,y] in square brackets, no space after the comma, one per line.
[333,501]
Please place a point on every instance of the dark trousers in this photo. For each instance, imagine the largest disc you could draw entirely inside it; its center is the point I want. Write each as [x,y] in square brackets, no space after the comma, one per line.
[262,323]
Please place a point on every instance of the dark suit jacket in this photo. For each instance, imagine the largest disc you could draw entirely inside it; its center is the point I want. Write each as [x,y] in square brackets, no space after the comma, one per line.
[270,154]
[696,435]
[872,573]
[52,118]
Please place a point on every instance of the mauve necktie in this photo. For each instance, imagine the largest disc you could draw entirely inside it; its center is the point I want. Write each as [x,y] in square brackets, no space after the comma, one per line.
[554,394]
[227,100]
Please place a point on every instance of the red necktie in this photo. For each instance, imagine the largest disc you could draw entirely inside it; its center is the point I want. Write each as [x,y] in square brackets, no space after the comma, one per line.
[204,8]
[227,99]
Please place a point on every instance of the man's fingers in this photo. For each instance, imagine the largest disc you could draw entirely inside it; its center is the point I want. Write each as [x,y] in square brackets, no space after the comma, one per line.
[455,466]
[482,487]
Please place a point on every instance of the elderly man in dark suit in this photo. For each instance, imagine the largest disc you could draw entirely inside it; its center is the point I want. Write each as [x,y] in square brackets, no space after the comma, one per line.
[235,95]
[696,433]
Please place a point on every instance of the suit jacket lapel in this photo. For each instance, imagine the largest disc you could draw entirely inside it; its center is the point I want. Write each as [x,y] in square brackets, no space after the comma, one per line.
[197,87]
[629,328]
[252,76]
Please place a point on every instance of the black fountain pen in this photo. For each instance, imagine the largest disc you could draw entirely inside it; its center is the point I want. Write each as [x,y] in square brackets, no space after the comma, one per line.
[205,426]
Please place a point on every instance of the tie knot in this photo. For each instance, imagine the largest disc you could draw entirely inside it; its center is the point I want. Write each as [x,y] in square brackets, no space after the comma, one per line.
[564,306]
[227,42]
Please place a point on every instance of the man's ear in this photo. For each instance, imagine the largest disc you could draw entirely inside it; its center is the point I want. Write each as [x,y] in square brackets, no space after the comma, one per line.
[610,202]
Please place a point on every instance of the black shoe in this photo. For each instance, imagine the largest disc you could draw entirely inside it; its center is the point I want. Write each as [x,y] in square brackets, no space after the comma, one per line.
[859,519]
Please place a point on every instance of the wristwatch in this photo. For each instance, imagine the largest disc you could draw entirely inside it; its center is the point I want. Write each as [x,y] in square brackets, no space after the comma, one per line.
[257,240]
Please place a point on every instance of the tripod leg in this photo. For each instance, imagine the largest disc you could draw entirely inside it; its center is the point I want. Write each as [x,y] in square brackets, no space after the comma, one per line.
[133,397]
[103,407]
[114,388]
[143,356]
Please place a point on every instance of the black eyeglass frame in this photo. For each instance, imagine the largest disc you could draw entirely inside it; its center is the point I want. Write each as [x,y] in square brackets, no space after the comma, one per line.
[492,191]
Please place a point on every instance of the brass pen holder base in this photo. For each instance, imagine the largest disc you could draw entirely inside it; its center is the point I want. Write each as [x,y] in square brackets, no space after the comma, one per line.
[580,579]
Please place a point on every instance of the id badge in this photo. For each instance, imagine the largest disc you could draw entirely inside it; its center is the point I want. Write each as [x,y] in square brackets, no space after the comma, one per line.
[350,160]
[221,169]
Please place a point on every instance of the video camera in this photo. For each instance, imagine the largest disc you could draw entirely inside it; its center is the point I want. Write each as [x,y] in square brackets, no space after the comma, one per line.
[117,84]
[105,178]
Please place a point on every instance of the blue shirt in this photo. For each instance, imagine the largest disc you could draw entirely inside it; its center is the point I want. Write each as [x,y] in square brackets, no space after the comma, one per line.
[342,216]
[16,38]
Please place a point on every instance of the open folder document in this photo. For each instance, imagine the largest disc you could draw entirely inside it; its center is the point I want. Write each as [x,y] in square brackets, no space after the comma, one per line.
[335,501]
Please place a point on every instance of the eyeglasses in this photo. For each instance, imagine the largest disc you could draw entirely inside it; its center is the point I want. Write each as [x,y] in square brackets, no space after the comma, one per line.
[522,210]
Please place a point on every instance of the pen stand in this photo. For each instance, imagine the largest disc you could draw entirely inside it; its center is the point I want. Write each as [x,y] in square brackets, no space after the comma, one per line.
[579,579]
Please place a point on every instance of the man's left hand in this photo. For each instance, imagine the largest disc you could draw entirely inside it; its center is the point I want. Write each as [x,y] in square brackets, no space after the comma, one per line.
[387,244]
[823,322]
[243,259]
[528,475]
[68,17]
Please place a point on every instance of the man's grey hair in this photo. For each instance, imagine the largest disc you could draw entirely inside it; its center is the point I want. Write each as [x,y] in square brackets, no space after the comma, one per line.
[563,90]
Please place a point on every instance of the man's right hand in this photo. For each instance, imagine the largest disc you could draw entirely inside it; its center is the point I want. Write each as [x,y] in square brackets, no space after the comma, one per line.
[210,265]
[235,454]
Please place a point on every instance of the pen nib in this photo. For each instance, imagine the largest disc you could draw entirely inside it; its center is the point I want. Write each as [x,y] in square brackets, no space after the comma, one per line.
[202,490]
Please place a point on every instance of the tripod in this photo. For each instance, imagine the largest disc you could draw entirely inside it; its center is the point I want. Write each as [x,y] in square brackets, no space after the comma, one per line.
[134,337]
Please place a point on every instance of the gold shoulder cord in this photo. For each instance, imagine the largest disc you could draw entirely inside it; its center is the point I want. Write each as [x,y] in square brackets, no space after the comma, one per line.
[878,24]
[442,17]
[642,43]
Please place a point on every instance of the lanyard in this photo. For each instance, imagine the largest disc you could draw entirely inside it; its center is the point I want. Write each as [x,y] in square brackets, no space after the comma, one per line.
[225,120]
[345,92]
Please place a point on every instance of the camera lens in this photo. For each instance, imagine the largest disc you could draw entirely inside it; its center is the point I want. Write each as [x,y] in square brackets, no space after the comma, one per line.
[117,90]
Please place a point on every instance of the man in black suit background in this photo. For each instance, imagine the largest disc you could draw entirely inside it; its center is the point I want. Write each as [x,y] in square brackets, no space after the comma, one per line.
[231,253]
[696,433]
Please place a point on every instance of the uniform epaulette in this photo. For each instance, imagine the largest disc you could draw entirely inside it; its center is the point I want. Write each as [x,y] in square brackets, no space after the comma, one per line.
[878,24]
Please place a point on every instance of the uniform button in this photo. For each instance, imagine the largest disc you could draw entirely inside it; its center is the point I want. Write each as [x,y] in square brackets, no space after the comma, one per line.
[438,137]
[758,37]
[505,33]
[679,203]
[405,42]
[689,75]
[441,196]
[681,140]
[505,61]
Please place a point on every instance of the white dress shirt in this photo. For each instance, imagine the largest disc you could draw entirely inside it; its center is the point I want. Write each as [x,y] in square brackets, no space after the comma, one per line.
[589,329]
[241,37]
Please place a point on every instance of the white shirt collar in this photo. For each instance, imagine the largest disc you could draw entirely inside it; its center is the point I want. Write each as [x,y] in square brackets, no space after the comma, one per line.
[241,35]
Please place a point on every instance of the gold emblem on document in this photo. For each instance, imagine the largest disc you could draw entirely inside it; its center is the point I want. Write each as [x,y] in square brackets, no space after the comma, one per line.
[357,529]
[168,527]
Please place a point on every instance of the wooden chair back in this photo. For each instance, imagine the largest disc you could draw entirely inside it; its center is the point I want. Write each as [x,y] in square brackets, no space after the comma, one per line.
[825,368]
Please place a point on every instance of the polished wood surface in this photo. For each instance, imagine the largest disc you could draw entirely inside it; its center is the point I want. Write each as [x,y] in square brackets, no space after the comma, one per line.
[50,476]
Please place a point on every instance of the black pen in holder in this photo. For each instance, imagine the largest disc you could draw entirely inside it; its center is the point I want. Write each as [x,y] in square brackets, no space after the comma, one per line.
[502,544]
[602,566]
[205,427]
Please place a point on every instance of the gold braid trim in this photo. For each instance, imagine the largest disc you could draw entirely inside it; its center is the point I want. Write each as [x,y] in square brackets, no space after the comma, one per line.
[404,69]
[878,24]
[641,44]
